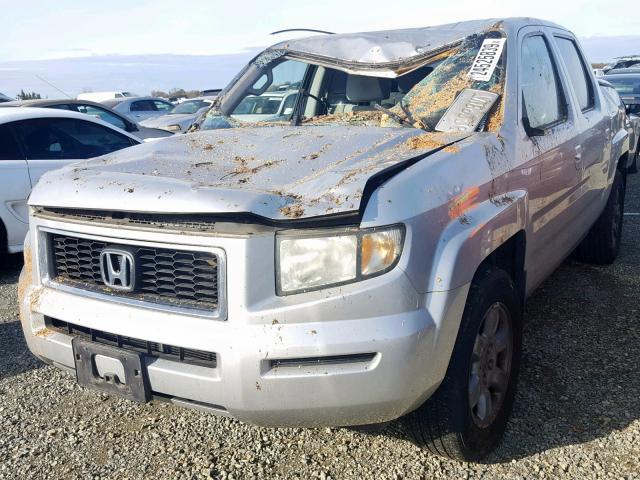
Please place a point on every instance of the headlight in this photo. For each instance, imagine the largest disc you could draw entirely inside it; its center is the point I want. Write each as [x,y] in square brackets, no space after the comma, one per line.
[174,128]
[315,260]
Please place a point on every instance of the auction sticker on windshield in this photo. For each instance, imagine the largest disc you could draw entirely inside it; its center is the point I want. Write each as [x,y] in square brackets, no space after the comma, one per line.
[487,59]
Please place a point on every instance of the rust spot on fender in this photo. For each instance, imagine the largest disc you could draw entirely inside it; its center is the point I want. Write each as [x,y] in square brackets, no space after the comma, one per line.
[460,204]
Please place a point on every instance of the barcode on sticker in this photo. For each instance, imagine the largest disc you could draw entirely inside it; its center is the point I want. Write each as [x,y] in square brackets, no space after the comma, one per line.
[487,59]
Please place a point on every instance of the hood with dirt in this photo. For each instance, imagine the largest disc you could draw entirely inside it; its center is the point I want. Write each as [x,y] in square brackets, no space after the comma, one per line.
[277,172]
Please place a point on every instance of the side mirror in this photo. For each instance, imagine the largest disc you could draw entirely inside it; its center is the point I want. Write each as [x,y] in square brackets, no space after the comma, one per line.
[132,127]
[532,131]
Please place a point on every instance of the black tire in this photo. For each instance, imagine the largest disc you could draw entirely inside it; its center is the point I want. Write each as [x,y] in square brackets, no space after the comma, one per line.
[634,166]
[602,243]
[4,244]
[447,424]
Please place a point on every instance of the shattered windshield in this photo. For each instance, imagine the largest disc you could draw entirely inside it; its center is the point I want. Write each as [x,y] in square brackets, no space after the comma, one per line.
[459,89]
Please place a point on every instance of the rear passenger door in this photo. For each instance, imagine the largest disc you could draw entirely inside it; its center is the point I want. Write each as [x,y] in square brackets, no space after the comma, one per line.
[15,187]
[594,129]
[549,145]
[50,143]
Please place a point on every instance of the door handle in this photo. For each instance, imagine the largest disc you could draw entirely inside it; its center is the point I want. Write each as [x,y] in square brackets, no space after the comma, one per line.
[578,155]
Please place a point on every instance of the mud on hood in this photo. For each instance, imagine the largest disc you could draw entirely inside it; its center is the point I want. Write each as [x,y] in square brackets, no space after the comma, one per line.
[279,172]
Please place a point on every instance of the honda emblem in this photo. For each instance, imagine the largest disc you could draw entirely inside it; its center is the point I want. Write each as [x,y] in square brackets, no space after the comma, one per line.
[117,267]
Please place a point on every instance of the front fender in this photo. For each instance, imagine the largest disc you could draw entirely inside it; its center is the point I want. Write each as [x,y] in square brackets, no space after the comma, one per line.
[470,238]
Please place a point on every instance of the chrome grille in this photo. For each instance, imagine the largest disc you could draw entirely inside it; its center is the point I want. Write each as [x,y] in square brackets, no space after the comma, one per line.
[166,276]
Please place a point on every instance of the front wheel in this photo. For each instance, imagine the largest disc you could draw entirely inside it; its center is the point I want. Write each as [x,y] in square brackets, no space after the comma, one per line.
[466,417]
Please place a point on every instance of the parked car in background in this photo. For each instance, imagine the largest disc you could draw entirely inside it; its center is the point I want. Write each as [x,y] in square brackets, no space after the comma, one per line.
[182,116]
[140,108]
[623,62]
[619,71]
[363,256]
[102,96]
[36,140]
[4,98]
[627,86]
[97,110]
[267,107]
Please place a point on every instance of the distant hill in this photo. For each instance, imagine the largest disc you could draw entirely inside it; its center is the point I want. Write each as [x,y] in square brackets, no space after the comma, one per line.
[133,73]
[604,49]
[143,73]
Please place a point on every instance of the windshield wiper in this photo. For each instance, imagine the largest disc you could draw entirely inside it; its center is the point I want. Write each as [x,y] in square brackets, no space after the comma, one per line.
[412,119]
[409,119]
[394,115]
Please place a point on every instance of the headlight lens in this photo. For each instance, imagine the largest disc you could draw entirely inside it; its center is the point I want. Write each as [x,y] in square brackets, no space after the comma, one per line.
[313,261]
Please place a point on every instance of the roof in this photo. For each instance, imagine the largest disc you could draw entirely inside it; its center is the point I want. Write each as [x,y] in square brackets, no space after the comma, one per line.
[389,48]
[113,102]
[623,72]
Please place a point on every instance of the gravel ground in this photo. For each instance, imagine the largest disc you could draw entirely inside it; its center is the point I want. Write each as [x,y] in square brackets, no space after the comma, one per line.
[576,415]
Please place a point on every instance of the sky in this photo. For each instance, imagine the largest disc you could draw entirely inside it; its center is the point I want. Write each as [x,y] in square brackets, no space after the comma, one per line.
[229,32]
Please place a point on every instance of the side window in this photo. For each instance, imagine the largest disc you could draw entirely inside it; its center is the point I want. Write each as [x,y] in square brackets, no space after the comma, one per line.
[102,114]
[143,106]
[577,72]
[9,148]
[542,95]
[68,138]
[163,106]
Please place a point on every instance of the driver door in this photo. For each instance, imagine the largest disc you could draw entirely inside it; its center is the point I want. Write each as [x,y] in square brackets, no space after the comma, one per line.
[550,144]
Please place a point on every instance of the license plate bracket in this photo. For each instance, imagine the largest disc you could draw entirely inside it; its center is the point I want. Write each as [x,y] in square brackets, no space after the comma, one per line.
[135,385]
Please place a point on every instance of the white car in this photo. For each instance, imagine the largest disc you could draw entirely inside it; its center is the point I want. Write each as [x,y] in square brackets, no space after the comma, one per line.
[182,116]
[36,140]
[140,108]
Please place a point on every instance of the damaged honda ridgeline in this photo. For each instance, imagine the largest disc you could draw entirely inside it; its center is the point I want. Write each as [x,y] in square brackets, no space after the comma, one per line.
[348,239]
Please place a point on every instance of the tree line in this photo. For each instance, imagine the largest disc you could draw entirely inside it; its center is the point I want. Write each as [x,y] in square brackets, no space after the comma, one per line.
[176,92]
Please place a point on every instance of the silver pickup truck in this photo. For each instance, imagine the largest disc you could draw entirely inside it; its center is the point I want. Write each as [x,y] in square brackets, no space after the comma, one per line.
[362,257]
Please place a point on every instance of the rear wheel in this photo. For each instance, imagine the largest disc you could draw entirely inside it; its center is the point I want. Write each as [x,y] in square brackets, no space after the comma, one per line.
[634,166]
[4,244]
[602,243]
[466,417]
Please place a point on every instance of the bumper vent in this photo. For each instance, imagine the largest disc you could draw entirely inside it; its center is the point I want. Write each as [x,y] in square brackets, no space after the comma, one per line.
[151,349]
[172,277]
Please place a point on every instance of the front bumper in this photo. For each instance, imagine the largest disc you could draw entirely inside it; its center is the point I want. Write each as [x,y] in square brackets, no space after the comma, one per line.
[262,375]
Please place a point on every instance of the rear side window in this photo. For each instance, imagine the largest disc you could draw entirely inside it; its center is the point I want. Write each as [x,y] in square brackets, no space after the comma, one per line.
[9,148]
[163,106]
[102,114]
[577,72]
[68,138]
[143,106]
[542,95]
